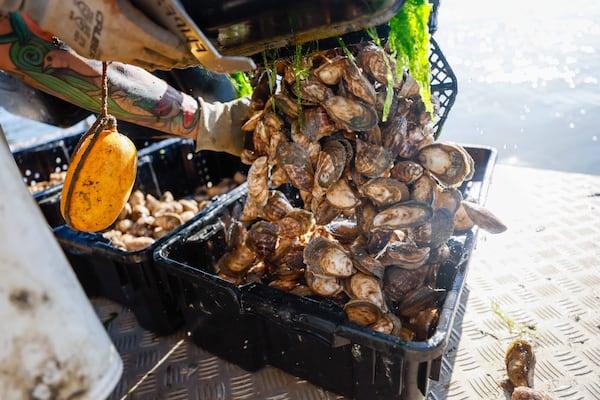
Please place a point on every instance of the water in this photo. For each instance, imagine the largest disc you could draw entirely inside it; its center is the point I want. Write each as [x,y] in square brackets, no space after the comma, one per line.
[528,75]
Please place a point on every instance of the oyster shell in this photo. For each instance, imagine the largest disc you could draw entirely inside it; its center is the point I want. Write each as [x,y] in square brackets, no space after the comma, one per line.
[367,264]
[331,72]
[388,324]
[365,287]
[406,171]
[351,114]
[331,163]
[258,181]
[406,255]
[357,83]
[296,163]
[326,286]
[277,206]
[520,363]
[424,189]
[448,163]
[371,160]
[483,217]
[341,195]
[403,215]
[376,63]
[419,299]
[262,239]
[362,312]
[316,123]
[385,191]
[397,282]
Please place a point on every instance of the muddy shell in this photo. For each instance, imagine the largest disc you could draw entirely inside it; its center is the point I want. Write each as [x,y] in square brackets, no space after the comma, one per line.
[520,363]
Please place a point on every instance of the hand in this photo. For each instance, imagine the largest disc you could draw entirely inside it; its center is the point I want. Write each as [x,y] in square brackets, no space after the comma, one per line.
[220,126]
[110,30]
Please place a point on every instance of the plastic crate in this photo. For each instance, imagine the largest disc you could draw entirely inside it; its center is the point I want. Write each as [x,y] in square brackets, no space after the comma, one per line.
[37,161]
[130,277]
[443,85]
[252,324]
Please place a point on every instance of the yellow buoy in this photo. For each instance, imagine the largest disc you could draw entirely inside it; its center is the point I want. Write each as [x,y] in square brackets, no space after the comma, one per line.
[99,179]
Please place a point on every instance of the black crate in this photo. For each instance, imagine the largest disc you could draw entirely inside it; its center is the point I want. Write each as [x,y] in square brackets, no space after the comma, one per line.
[253,325]
[131,277]
[37,160]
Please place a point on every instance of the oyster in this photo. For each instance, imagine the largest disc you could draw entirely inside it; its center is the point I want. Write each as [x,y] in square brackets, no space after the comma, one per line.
[287,105]
[406,171]
[367,264]
[362,312]
[351,114]
[365,287]
[483,218]
[403,215]
[371,160]
[435,232]
[397,282]
[343,230]
[525,393]
[520,363]
[331,72]
[311,90]
[296,163]
[258,181]
[316,123]
[357,83]
[448,163]
[331,163]
[424,189]
[385,191]
[262,239]
[376,63]
[388,324]
[405,254]
[341,195]
[419,299]
[276,207]
[296,223]
[323,285]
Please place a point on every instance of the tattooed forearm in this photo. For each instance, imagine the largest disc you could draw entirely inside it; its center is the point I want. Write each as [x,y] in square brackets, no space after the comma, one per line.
[135,95]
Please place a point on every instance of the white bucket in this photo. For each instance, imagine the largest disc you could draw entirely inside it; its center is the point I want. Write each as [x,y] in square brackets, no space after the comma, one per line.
[52,343]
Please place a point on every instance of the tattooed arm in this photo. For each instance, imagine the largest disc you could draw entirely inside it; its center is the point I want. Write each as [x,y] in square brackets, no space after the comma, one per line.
[135,95]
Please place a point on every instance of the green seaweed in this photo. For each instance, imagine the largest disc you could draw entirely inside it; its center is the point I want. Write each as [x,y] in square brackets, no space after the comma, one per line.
[241,84]
[409,40]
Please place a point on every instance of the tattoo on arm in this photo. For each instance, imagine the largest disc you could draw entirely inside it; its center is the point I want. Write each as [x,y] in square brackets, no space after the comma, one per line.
[135,95]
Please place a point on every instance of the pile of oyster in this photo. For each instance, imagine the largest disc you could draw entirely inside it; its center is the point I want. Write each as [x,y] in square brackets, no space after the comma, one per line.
[346,200]
[55,178]
[145,218]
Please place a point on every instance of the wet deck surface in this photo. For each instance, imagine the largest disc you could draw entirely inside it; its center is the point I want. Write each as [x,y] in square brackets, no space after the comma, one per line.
[542,276]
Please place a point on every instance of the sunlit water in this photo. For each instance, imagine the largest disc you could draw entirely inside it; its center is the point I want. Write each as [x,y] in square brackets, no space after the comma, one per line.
[528,75]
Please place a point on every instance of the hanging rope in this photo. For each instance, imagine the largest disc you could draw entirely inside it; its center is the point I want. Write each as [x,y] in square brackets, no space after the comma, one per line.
[103,121]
